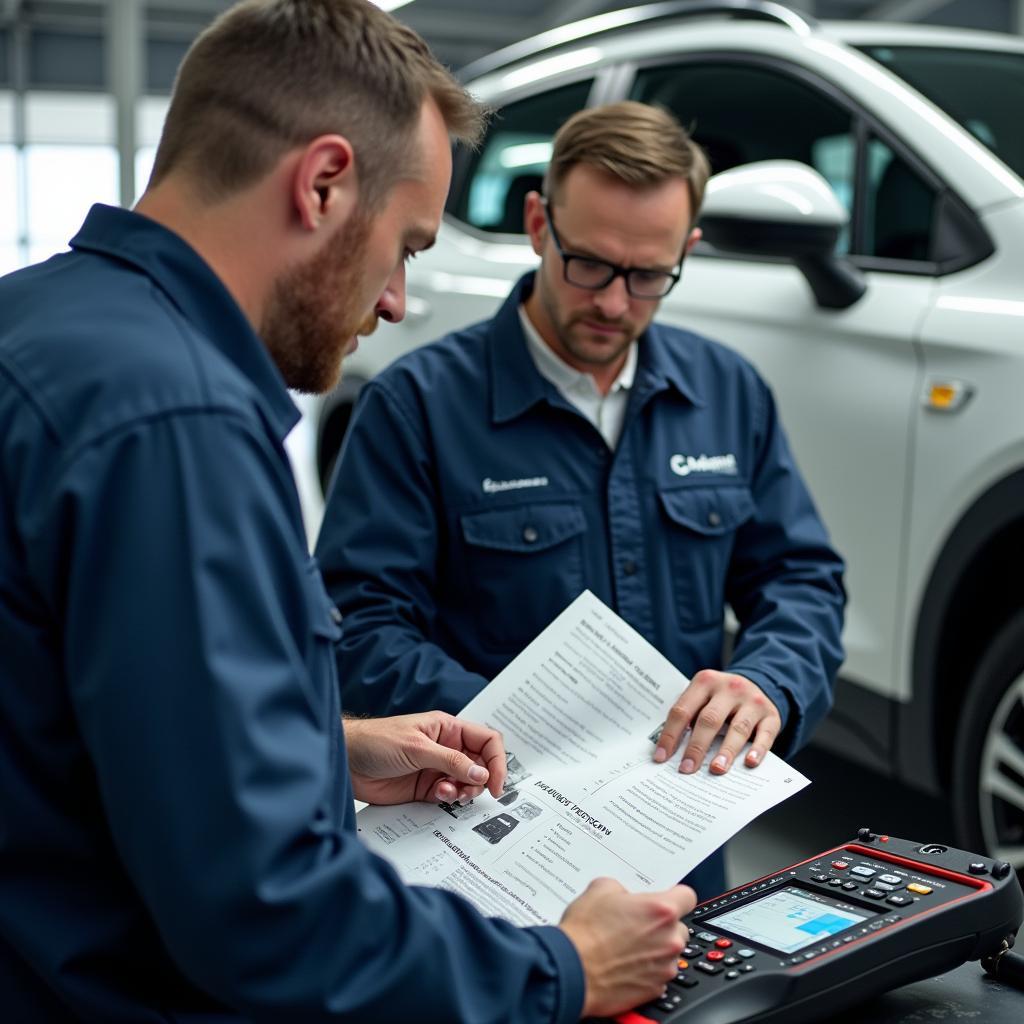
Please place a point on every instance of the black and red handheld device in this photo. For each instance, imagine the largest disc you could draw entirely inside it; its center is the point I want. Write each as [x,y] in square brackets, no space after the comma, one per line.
[835,929]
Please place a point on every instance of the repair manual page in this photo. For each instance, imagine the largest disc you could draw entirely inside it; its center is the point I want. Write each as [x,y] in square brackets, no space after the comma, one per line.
[579,710]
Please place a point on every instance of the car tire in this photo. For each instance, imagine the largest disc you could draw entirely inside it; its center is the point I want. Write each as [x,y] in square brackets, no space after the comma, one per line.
[988,760]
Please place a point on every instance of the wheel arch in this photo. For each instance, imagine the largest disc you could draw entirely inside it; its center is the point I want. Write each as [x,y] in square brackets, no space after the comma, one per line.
[969,597]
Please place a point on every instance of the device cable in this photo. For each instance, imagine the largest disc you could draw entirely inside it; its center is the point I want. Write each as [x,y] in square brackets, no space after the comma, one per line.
[1006,966]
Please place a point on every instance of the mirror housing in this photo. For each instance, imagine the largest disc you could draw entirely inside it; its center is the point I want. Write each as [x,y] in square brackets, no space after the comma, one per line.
[783,208]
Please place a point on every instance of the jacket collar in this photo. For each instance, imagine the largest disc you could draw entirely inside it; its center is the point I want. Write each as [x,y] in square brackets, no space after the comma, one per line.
[517,385]
[196,291]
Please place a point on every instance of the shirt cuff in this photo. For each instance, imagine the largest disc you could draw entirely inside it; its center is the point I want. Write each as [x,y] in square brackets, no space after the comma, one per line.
[571,985]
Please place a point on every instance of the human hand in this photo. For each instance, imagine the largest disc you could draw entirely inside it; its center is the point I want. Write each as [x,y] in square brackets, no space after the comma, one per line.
[629,943]
[427,756]
[712,699]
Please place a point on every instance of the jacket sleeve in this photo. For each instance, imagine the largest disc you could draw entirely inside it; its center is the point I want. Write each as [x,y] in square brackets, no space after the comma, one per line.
[785,586]
[193,648]
[379,548]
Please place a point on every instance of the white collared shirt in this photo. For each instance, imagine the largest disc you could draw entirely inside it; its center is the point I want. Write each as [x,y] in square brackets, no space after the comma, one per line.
[607,412]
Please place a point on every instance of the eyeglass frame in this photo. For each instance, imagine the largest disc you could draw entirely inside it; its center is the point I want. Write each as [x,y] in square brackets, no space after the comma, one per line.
[615,268]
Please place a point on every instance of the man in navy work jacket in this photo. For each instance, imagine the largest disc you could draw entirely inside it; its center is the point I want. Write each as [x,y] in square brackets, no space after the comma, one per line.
[177,837]
[570,442]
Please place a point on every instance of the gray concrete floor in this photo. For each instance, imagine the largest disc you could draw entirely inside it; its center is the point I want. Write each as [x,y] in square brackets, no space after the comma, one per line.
[841,798]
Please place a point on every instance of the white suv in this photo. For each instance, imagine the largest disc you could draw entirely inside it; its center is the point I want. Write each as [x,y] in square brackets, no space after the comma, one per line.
[879,288]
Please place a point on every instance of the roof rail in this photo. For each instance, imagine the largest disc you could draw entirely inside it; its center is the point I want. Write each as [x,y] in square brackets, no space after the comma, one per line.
[756,10]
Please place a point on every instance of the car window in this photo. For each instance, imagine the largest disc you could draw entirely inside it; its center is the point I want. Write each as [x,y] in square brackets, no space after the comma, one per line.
[982,89]
[513,158]
[741,113]
[899,207]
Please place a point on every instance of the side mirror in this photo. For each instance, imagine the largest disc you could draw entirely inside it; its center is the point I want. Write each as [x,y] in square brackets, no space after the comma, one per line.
[783,208]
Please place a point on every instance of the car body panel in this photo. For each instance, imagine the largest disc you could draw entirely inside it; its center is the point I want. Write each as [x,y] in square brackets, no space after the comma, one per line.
[974,332]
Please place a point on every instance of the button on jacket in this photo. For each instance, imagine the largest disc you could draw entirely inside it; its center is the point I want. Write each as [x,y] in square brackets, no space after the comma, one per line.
[472,503]
[177,837]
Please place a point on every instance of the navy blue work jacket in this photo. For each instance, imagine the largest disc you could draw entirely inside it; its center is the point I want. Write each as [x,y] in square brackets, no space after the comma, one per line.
[177,836]
[472,503]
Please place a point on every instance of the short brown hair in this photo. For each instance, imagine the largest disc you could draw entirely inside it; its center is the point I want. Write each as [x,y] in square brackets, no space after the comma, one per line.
[639,144]
[269,75]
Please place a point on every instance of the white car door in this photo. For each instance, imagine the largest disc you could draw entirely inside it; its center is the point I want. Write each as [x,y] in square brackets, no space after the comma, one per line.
[846,383]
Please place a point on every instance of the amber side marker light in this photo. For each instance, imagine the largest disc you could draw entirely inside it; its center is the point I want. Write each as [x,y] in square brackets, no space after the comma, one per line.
[947,395]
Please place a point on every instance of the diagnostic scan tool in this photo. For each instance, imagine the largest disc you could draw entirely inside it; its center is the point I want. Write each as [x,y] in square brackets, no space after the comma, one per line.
[837,928]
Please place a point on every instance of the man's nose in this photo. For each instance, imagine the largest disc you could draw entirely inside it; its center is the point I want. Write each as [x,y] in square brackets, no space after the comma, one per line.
[391,304]
[613,299]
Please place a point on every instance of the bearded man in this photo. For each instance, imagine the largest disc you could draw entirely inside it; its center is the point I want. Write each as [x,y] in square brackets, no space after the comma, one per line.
[177,834]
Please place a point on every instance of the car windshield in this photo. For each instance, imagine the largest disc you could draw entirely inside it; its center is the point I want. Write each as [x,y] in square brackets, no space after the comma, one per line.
[982,89]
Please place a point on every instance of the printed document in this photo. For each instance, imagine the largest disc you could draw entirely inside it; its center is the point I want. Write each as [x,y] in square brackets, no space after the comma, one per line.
[580,709]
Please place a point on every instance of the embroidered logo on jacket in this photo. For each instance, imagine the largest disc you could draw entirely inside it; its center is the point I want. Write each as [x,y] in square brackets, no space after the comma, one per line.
[684,465]
[497,486]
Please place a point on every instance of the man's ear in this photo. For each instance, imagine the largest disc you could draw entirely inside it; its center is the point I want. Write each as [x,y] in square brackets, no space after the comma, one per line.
[325,185]
[695,236]
[535,223]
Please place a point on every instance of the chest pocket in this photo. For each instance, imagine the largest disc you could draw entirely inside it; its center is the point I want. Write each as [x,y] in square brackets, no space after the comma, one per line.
[524,565]
[701,535]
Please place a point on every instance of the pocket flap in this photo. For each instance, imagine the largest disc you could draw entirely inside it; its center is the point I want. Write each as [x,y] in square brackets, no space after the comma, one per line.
[711,511]
[525,528]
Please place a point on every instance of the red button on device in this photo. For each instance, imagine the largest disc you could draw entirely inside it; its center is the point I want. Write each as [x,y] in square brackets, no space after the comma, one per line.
[715,954]
[840,865]
[723,943]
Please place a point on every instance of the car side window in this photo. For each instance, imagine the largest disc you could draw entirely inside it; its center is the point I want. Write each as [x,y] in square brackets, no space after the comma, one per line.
[743,112]
[512,160]
[899,207]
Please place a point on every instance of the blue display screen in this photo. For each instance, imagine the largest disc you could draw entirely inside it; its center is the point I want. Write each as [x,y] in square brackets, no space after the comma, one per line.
[788,920]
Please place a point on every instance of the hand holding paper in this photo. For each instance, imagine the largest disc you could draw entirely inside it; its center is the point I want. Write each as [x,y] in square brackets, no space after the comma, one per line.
[714,701]
[579,711]
[428,756]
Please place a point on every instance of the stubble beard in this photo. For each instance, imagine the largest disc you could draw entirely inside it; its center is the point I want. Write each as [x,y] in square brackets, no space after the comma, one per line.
[574,336]
[578,340]
[315,310]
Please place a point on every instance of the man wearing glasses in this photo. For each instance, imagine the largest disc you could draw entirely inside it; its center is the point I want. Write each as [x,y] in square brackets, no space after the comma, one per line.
[572,443]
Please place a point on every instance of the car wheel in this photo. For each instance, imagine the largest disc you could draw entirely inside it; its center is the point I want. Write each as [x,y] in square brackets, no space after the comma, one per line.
[988,762]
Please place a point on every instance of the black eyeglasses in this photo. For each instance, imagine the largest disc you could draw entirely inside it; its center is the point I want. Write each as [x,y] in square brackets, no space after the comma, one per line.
[594,274]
